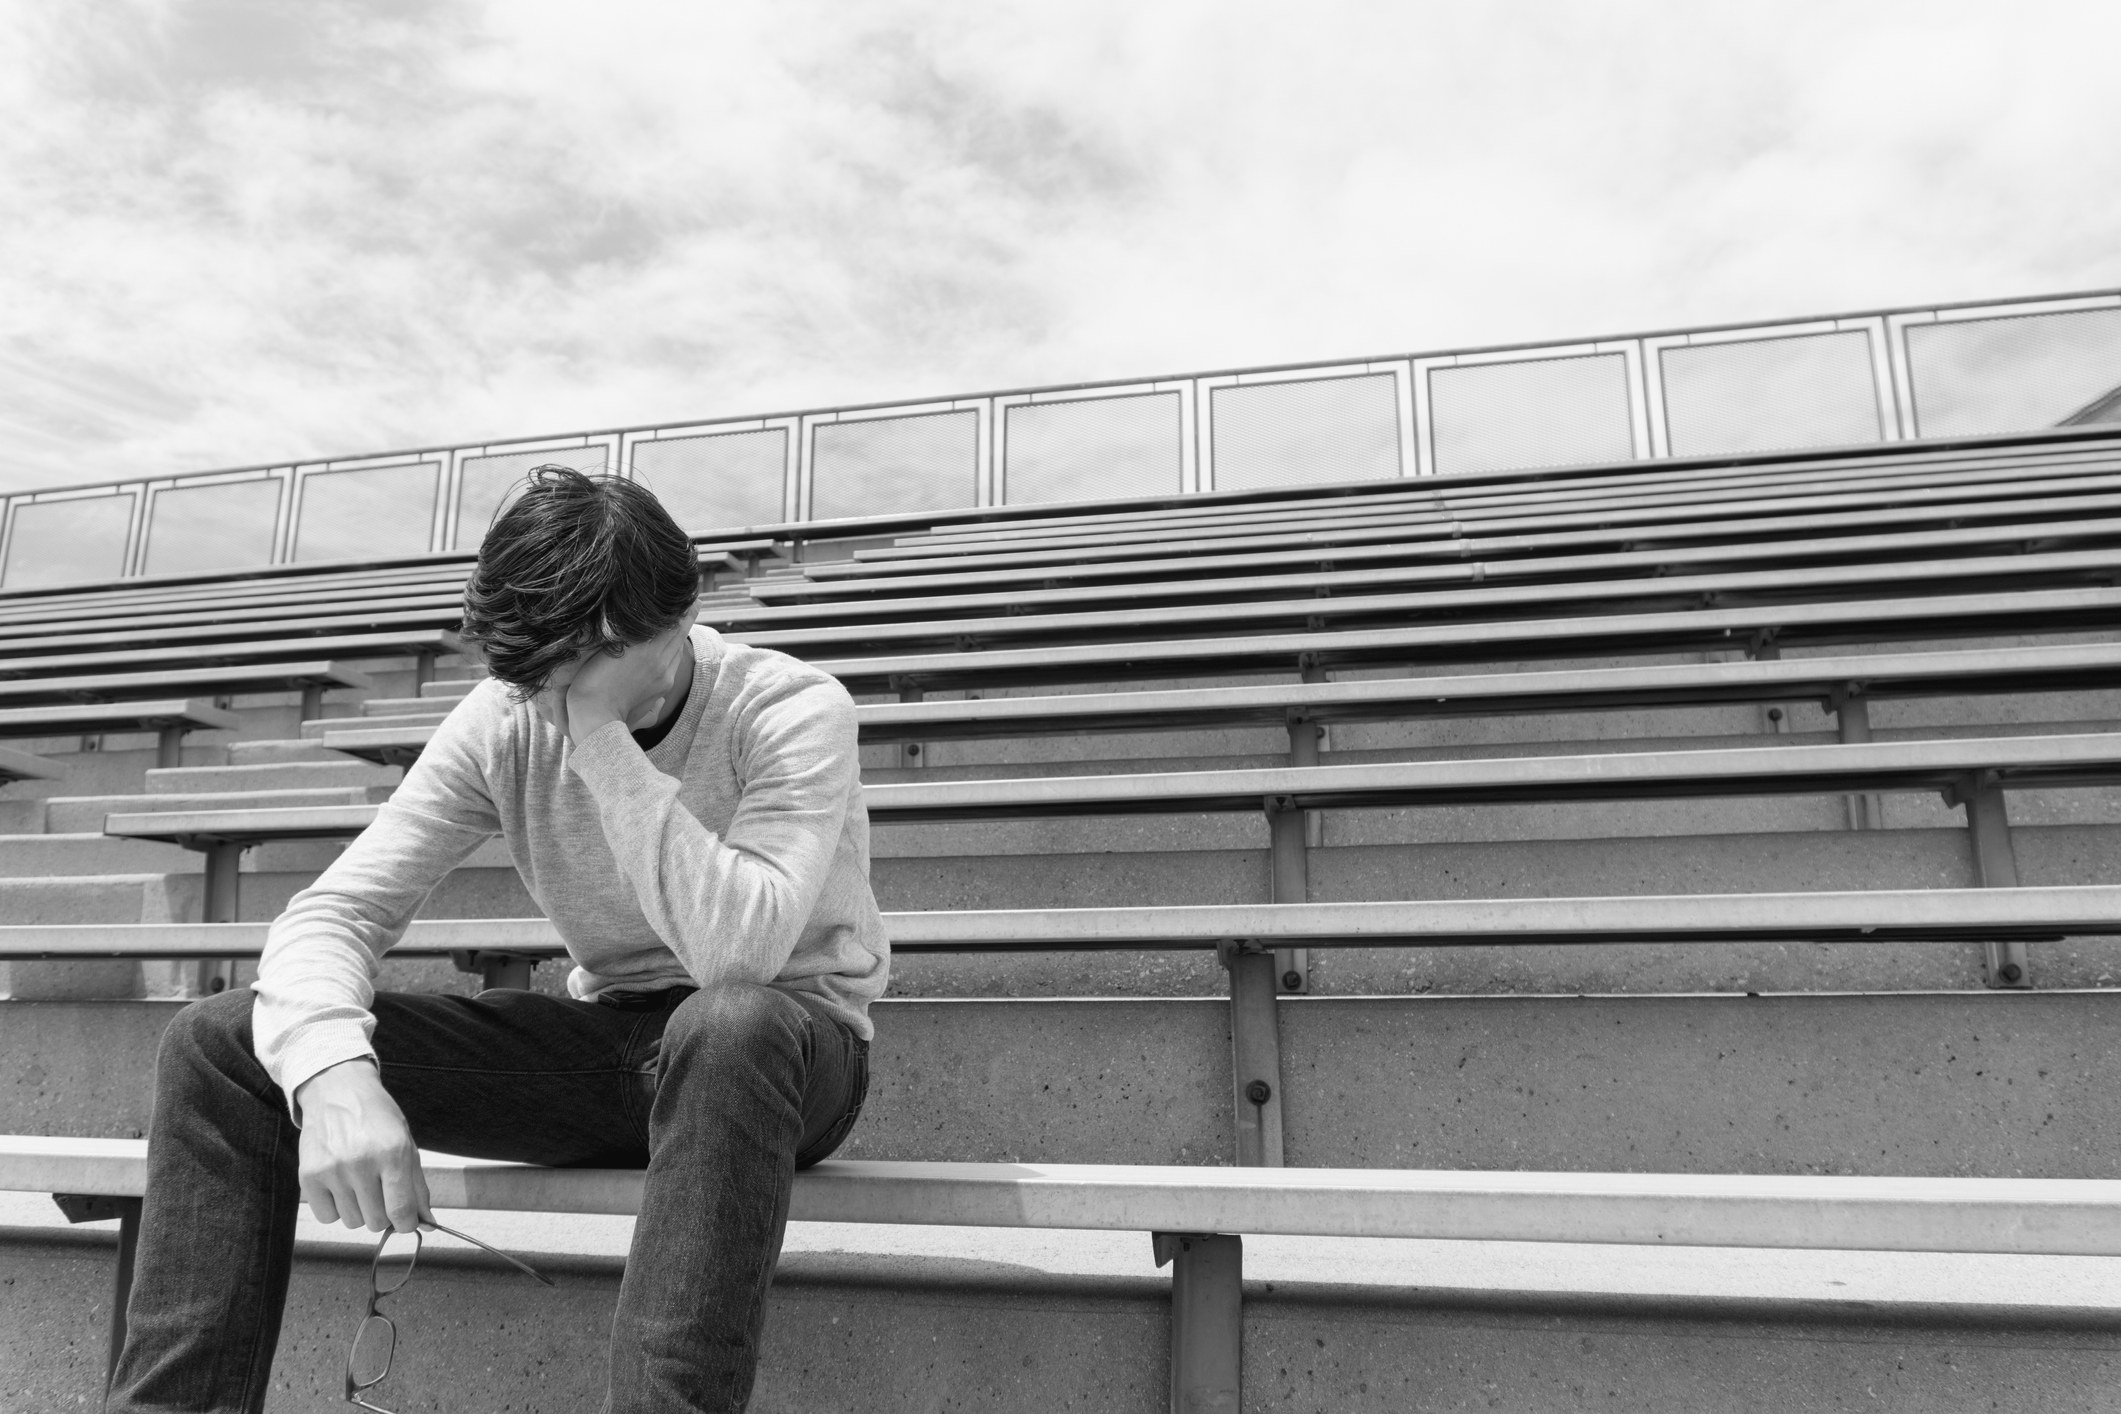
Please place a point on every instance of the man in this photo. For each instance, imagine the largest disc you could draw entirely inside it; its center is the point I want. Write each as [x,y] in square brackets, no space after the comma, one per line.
[688,813]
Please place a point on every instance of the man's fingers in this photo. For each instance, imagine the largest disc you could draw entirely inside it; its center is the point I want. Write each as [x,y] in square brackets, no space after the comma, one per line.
[322,1205]
[404,1192]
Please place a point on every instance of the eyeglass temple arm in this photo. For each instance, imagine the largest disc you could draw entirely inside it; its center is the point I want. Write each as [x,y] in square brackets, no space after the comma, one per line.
[524,1267]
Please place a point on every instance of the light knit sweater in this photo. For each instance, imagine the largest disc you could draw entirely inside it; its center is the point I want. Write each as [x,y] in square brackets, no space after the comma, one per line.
[736,849]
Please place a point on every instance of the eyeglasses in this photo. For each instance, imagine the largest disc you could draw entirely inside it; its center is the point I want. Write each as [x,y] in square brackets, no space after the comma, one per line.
[368,1362]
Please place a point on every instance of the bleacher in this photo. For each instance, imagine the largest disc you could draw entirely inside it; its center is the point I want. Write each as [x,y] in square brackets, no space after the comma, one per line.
[1639,935]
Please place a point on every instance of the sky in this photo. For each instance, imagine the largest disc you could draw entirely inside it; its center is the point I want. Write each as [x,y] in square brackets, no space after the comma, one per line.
[244,231]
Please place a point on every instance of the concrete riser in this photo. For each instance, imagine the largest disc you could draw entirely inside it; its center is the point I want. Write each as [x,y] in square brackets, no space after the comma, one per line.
[840,1335]
[1994,1084]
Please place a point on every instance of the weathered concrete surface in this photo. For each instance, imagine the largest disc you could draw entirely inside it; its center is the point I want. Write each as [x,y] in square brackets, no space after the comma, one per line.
[1982,1084]
[857,1332]
[1995,1084]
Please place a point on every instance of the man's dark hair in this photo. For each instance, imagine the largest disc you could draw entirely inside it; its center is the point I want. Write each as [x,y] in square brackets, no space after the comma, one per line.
[575,563]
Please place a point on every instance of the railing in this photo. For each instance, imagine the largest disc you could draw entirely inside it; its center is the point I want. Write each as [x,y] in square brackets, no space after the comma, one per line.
[1883,376]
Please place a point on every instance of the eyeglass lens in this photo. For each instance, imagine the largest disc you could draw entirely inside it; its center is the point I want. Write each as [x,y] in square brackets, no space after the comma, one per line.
[372,1348]
[395,1256]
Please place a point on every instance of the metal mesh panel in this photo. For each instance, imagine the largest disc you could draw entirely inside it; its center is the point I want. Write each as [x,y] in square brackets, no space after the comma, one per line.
[1094,447]
[718,481]
[1811,390]
[68,542]
[2015,374]
[488,480]
[926,462]
[196,528]
[1541,412]
[381,510]
[1320,430]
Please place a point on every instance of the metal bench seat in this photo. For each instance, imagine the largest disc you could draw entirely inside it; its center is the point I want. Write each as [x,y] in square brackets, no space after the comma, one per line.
[217,681]
[1478,599]
[1870,916]
[1197,1216]
[27,766]
[324,641]
[1361,530]
[1760,629]
[1540,486]
[1831,682]
[2080,529]
[169,718]
[1676,537]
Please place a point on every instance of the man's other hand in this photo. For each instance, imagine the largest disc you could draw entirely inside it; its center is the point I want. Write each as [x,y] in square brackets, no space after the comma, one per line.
[359,1165]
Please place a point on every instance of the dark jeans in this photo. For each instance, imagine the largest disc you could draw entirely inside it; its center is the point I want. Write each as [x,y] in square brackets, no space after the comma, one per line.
[720,1094]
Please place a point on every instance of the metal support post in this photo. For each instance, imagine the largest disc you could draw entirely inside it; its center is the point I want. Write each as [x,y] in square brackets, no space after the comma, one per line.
[1852,714]
[312,701]
[1995,867]
[1289,862]
[169,747]
[1255,1054]
[224,863]
[97,1207]
[423,669]
[495,969]
[1207,1319]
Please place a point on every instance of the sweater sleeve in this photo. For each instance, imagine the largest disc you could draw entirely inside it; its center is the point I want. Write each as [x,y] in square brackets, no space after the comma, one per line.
[317,976]
[733,906]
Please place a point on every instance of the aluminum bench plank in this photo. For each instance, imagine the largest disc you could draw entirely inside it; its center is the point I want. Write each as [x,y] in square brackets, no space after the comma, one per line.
[157,624]
[1609,595]
[442,614]
[1685,509]
[2070,1217]
[115,717]
[1896,675]
[1467,511]
[1867,916]
[122,687]
[26,766]
[773,611]
[1491,549]
[1530,486]
[1500,640]
[355,645]
[2091,758]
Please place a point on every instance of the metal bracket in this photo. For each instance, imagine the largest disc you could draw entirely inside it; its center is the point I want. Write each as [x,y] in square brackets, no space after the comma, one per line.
[1207,1319]
[1852,718]
[496,969]
[909,752]
[1255,1054]
[1995,867]
[100,1207]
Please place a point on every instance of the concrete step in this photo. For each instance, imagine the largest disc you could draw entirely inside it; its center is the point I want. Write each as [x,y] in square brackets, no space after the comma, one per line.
[85,814]
[911,1319]
[456,687]
[293,775]
[22,817]
[83,854]
[2007,1084]
[277,753]
[115,898]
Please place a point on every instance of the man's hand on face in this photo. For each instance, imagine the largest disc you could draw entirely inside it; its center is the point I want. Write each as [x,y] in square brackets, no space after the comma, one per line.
[358,1164]
[631,687]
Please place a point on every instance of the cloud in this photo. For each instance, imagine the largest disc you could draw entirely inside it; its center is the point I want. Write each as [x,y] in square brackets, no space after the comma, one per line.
[247,232]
